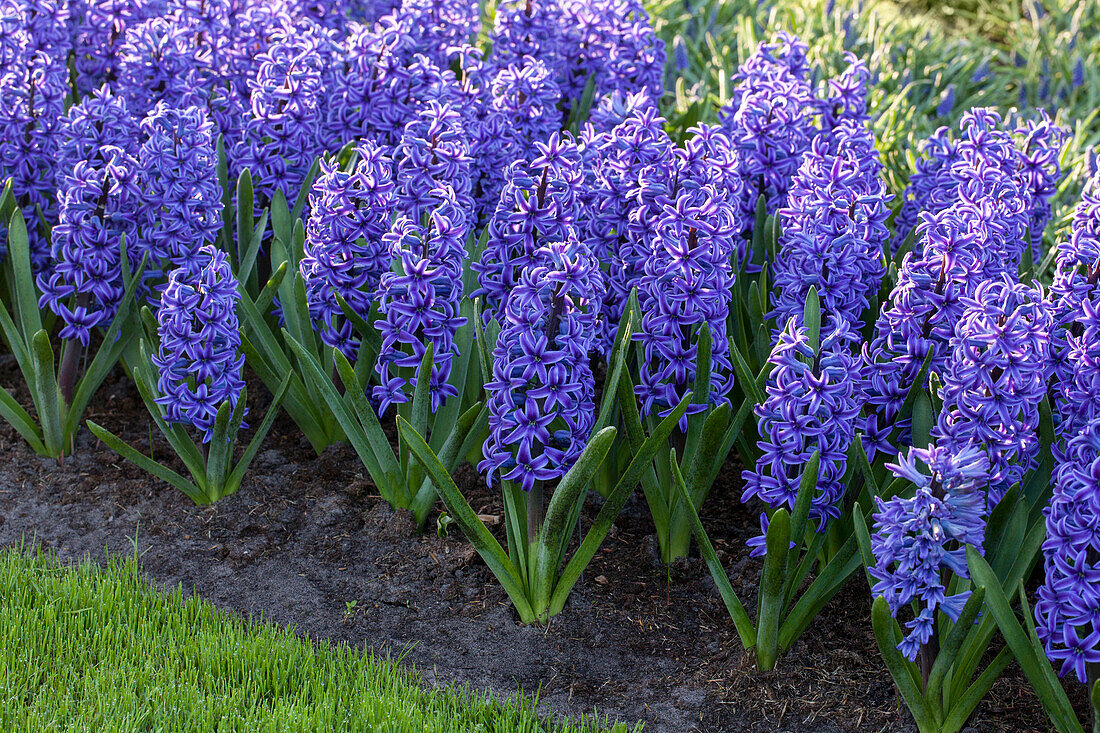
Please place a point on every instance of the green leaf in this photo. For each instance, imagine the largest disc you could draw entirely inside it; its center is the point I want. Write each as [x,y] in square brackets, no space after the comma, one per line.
[557,525]
[147,464]
[826,585]
[26,298]
[740,616]
[14,414]
[923,420]
[778,540]
[806,488]
[1036,668]
[811,318]
[457,506]
[245,222]
[619,352]
[953,641]
[964,706]
[217,460]
[901,669]
[235,478]
[613,505]
[47,396]
[421,405]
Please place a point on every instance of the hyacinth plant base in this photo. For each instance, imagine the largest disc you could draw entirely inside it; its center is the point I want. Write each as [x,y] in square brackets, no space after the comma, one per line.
[306,535]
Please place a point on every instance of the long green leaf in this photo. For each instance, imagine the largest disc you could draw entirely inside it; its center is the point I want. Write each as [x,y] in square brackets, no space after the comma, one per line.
[1036,669]
[902,670]
[557,525]
[14,414]
[147,464]
[770,608]
[26,302]
[740,616]
[237,475]
[47,395]
[480,537]
[614,504]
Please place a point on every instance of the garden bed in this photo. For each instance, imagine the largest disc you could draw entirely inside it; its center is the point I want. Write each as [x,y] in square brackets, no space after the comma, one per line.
[306,536]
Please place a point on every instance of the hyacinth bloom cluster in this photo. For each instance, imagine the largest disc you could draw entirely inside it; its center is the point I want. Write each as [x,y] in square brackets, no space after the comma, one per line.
[919,542]
[433,153]
[522,110]
[1004,187]
[350,212]
[770,119]
[537,206]
[100,202]
[419,301]
[686,285]
[637,151]
[198,361]
[34,76]
[812,404]
[183,201]
[283,137]
[919,320]
[1075,342]
[541,395]
[995,378]
[834,228]
[1068,606]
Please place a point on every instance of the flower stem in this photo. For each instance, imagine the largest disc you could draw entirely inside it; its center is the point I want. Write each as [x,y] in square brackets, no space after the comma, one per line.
[66,375]
[535,512]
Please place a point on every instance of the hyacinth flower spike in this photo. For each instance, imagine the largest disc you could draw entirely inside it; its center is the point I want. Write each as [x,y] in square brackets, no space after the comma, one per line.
[60,390]
[803,481]
[547,439]
[421,344]
[938,561]
[191,384]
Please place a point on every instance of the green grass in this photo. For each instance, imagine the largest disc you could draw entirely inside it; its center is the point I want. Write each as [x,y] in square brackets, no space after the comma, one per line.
[85,648]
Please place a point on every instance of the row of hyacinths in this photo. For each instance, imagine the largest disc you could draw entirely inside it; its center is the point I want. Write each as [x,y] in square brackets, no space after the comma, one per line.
[453,145]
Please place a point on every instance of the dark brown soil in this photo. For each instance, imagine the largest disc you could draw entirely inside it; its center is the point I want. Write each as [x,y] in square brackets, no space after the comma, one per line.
[306,536]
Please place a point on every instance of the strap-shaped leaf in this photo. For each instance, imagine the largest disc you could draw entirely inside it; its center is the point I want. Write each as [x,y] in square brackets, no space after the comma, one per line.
[963,706]
[619,352]
[557,525]
[14,414]
[237,475]
[245,223]
[457,506]
[421,404]
[366,332]
[47,396]
[923,420]
[700,388]
[806,488]
[466,430]
[614,504]
[745,378]
[826,585]
[1033,664]
[905,674]
[303,190]
[770,606]
[811,319]
[217,458]
[953,641]
[740,616]
[147,464]
[26,298]
[384,476]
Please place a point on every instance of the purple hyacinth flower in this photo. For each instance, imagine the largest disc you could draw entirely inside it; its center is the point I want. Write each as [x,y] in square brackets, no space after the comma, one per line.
[919,542]
[541,392]
[350,211]
[198,359]
[812,405]
[420,299]
[1067,610]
